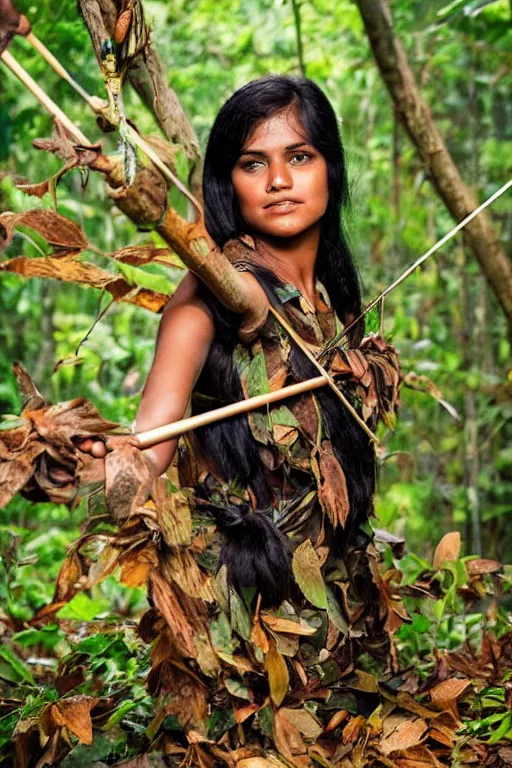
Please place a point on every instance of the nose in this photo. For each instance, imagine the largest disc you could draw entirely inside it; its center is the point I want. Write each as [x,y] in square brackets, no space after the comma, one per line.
[279,177]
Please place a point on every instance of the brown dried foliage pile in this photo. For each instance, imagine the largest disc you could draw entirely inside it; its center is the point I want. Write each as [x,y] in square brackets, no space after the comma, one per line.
[289,684]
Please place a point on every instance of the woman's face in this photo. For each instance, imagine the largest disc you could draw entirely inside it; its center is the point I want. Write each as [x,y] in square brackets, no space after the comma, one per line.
[280,180]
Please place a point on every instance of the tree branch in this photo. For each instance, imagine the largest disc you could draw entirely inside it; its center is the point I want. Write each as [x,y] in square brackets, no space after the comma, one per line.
[148,77]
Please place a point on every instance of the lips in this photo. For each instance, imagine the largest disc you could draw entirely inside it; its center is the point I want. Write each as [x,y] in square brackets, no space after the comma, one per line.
[282,203]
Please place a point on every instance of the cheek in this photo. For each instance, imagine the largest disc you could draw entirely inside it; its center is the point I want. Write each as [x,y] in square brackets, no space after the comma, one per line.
[322,187]
[247,195]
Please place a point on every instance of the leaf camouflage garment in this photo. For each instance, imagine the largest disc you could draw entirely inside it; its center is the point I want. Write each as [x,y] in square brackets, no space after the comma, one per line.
[242,679]
[238,673]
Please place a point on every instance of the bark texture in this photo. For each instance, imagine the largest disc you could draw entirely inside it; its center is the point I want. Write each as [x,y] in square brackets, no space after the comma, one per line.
[147,76]
[139,200]
[444,174]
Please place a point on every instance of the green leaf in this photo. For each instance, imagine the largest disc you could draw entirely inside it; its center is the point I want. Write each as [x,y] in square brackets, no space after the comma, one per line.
[220,722]
[82,608]
[334,612]
[220,634]
[501,730]
[137,276]
[257,378]
[287,292]
[284,417]
[49,637]
[237,688]
[264,720]
[308,574]
[116,717]
[12,668]
[240,619]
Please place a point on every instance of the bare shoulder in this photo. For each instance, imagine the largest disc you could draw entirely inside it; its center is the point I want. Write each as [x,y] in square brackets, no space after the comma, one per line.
[185,314]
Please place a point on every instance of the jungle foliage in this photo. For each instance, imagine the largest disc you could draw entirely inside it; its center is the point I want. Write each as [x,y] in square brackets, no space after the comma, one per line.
[87,669]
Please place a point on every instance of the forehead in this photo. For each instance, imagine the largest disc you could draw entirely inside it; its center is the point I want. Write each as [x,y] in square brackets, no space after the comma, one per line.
[276,132]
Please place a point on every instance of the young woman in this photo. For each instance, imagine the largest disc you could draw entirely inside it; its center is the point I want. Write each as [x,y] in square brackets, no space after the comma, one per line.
[289,487]
[275,182]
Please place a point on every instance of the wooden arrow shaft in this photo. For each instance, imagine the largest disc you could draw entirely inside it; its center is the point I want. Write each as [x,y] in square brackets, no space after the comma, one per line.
[44,99]
[168,431]
[400,279]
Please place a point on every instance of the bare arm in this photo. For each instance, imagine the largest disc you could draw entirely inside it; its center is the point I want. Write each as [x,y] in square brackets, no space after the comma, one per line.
[184,338]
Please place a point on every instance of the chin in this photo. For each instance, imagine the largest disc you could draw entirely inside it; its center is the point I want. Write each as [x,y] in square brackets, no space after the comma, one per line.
[285,232]
[285,229]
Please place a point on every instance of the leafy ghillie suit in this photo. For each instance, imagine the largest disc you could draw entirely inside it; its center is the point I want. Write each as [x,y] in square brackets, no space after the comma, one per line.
[267,608]
[260,563]
[298,589]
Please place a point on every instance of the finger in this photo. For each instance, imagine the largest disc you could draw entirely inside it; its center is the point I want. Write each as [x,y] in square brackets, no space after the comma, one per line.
[86,445]
[98,449]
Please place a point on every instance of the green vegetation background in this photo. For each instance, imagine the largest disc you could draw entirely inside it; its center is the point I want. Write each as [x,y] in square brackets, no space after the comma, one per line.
[439,474]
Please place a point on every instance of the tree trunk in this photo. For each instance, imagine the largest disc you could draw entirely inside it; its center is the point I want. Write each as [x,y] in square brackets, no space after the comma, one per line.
[418,121]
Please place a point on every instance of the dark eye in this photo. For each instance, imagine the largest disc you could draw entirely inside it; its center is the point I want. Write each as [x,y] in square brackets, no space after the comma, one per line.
[300,158]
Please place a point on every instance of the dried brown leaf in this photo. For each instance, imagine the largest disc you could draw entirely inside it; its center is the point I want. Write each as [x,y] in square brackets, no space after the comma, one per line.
[138,255]
[408,702]
[71,571]
[480,566]
[242,713]
[128,480]
[443,735]
[287,626]
[307,725]
[82,272]
[289,742]
[62,422]
[400,733]
[418,757]
[365,682]
[444,695]
[422,383]
[137,565]
[104,565]
[337,719]
[277,672]
[62,233]
[39,457]
[333,493]
[179,566]
[75,714]
[36,190]
[166,601]
[183,694]
[173,514]
[448,549]
[143,761]
[308,574]
[258,635]
[17,471]
[352,729]
[31,397]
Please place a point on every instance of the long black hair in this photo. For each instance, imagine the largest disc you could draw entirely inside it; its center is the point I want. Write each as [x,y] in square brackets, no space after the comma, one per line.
[250,105]
[256,553]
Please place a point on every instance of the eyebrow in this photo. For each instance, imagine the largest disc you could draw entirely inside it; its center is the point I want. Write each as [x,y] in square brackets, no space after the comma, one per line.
[286,149]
